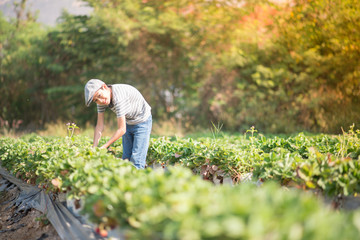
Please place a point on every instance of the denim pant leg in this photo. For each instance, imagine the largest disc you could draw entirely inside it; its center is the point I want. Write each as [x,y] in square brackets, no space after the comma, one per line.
[127,142]
[140,136]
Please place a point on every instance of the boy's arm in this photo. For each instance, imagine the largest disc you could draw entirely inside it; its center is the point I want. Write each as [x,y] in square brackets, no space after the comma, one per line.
[121,122]
[98,129]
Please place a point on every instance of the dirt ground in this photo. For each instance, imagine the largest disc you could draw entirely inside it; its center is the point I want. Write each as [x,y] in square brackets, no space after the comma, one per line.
[29,225]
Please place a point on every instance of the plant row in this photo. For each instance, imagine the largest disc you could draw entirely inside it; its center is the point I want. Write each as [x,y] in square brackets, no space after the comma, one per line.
[324,162]
[172,204]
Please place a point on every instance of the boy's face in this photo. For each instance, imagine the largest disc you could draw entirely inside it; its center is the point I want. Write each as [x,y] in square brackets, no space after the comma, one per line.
[102,96]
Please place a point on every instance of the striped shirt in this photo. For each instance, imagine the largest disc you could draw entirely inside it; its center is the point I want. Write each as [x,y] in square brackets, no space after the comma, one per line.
[127,101]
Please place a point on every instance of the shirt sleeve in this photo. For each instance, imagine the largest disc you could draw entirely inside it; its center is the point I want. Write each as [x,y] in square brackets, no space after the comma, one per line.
[100,108]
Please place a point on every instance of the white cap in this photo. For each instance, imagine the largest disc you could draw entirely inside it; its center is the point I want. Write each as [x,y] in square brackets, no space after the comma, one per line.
[90,89]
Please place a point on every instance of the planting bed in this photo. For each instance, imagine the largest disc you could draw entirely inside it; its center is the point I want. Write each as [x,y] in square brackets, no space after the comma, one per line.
[174,201]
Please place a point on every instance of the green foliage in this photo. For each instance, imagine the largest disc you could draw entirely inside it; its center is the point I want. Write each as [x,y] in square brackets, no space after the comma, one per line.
[324,162]
[283,68]
[19,96]
[328,163]
[176,204]
[303,65]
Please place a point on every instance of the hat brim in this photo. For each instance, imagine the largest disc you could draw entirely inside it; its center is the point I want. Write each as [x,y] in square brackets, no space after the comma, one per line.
[89,102]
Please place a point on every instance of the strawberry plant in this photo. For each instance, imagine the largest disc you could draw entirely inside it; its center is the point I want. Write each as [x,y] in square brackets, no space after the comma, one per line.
[178,204]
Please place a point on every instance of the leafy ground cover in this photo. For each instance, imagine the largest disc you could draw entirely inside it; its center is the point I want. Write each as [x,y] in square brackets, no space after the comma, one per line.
[323,162]
[177,204]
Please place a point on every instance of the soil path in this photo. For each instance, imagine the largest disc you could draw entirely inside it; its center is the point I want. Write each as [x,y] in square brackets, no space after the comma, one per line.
[21,225]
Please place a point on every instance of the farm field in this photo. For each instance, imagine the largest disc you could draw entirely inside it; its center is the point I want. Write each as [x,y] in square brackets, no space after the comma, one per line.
[218,187]
[291,68]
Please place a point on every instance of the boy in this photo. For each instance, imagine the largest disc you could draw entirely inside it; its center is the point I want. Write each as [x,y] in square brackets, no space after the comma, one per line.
[134,119]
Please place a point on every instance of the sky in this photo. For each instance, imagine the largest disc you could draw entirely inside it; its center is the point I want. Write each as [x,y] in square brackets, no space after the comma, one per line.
[49,10]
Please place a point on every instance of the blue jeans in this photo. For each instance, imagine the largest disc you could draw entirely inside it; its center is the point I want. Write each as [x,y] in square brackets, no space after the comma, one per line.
[136,142]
